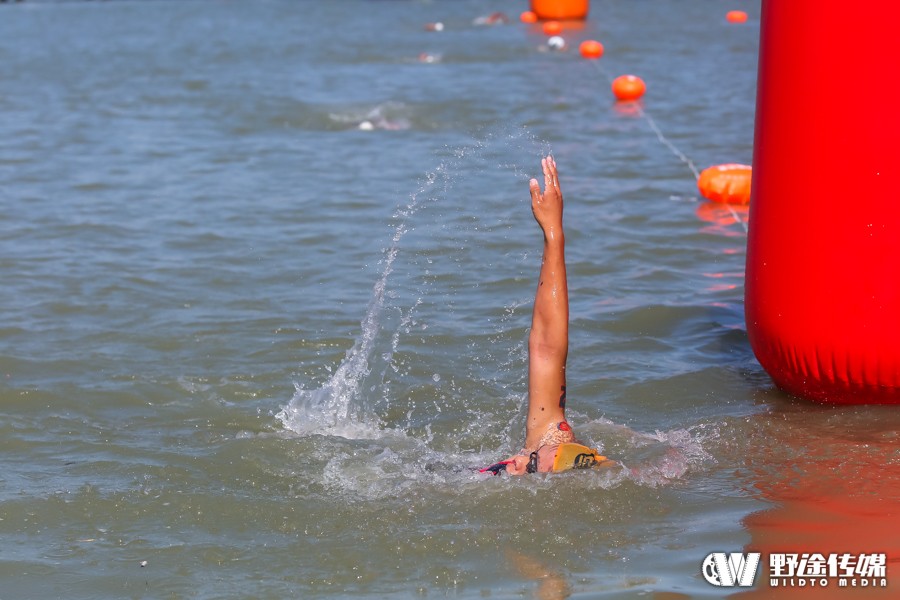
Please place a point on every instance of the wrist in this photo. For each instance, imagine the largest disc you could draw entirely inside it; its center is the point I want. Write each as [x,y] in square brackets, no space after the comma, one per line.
[554,235]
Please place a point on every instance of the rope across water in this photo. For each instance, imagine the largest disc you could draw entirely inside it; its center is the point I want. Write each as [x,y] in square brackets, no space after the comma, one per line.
[668,144]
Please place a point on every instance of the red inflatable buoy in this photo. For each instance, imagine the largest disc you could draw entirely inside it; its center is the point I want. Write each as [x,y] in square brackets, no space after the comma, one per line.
[822,290]
[736,16]
[729,184]
[560,10]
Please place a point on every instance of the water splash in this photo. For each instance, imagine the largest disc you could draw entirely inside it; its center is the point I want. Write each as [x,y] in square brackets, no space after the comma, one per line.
[653,459]
[341,407]
[673,455]
[338,407]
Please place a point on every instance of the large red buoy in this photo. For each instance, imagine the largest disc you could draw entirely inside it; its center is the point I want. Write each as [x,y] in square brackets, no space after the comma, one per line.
[822,295]
[560,10]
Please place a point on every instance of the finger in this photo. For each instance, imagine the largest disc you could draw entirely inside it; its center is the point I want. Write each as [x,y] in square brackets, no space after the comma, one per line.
[535,188]
[554,176]
[548,173]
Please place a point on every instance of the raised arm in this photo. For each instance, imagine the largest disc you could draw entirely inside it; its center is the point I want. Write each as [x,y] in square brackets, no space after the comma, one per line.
[548,343]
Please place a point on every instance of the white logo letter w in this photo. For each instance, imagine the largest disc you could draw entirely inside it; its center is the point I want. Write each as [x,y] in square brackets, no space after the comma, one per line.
[732,569]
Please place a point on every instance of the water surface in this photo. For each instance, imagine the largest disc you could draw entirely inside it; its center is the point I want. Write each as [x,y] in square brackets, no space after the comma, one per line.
[267,275]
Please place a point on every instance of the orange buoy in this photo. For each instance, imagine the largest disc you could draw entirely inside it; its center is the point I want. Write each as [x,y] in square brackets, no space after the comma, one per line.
[560,10]
[729,183]
[628,87]
[591,49]
[552,28]
[528,17]
[736,16]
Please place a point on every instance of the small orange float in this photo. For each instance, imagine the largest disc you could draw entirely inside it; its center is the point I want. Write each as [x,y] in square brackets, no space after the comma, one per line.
[728,183]
[560,10]
[628,87]
[552,28]
[736,16]
[528,17]
[591,49]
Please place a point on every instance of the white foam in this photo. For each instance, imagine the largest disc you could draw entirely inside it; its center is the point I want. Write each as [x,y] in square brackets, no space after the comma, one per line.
[339,407]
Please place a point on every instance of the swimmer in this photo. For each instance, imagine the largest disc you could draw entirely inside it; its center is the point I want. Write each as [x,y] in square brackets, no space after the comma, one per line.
[550,443]
[426,57]
[377,120]
[554,44]
[557,43]
[495,18]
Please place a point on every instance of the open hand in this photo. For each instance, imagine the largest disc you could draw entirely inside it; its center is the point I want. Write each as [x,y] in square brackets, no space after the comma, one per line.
[547,206]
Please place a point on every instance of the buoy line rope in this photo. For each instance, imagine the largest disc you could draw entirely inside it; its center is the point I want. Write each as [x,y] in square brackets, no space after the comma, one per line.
[672,148]
[678,153]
